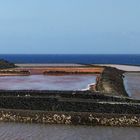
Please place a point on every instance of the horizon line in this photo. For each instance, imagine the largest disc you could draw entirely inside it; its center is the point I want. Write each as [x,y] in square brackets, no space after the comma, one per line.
[69,54]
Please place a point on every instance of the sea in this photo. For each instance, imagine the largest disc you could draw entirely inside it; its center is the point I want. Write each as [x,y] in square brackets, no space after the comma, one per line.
[22,131]
[125,59]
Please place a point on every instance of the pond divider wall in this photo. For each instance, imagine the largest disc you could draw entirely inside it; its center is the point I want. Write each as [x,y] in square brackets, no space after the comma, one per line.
[69,118]
[111,82]
[68,107]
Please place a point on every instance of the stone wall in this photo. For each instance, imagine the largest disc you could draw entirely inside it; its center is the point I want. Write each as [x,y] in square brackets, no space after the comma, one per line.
[69,118]
[68,107]
[95,96]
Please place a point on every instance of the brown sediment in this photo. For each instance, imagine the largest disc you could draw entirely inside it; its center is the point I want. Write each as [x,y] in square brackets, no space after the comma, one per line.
[63,70]
[68,73]
[8,72]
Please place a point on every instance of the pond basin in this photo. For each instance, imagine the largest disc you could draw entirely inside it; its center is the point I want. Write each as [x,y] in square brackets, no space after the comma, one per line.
[47,82]
[132,84]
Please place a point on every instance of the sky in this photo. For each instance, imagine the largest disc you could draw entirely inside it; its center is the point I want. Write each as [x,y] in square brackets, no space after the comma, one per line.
[70,27]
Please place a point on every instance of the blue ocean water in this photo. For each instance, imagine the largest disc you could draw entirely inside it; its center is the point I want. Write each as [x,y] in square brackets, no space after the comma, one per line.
[73,58]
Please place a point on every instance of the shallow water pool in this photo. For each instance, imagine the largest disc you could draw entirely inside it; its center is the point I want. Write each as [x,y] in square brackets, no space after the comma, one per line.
[132,84]
[41,82]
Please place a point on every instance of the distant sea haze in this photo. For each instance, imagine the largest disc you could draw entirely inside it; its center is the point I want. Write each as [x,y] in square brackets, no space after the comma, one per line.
[128,59]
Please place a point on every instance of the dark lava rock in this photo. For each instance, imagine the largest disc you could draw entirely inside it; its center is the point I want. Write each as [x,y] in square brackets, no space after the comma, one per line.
[4,64]
[111,82]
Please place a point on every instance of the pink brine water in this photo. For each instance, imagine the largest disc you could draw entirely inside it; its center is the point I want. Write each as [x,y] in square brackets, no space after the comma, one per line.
[41,82]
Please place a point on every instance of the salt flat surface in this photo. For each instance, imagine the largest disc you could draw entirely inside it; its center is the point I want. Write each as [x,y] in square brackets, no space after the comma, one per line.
[123,67]
[45,65]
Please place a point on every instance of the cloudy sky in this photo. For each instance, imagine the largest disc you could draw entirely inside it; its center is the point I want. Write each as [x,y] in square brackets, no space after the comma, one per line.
[69,26]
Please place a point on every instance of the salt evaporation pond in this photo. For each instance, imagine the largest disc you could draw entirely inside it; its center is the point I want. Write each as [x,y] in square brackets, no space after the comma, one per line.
[41,82]
[132,84]
[21,131]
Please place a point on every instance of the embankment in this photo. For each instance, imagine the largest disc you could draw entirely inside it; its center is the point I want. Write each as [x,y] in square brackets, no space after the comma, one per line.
[8,72]
[111,82]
